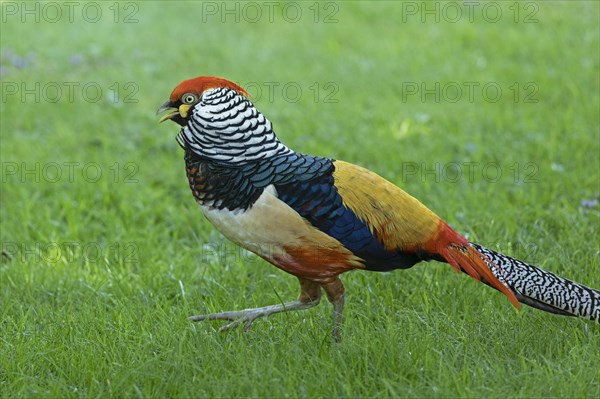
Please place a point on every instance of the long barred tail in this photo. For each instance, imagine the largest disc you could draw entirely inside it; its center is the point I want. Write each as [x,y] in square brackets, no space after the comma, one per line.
[543,290]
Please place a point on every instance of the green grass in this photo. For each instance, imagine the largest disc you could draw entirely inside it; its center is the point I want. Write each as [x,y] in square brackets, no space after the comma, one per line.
[99,275]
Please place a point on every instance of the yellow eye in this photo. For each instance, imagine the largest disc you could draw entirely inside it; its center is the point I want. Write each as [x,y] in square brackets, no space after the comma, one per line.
[189,98]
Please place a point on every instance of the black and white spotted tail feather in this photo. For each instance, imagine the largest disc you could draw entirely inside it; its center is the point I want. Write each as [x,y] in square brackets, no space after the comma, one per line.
[544,290]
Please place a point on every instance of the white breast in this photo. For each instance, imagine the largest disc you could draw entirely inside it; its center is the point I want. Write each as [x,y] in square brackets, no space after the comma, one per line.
[274,231]
[264,228]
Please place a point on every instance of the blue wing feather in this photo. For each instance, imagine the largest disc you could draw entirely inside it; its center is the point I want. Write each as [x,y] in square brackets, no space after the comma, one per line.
[318,201]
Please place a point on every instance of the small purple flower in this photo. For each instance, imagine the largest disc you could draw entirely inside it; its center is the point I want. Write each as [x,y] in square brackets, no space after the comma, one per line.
[76,59]
[591,203]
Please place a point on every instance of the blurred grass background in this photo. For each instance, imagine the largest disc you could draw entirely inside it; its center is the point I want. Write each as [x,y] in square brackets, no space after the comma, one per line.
[105,253]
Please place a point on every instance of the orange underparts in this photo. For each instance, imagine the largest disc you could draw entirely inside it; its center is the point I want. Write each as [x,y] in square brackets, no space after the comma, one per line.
[316,263]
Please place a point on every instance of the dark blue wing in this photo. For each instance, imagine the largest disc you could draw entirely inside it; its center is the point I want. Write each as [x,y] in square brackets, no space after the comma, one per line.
[318,201]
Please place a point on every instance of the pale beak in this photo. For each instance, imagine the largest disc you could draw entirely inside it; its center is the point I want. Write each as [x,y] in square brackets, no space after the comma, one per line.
[164,107]
[181,111]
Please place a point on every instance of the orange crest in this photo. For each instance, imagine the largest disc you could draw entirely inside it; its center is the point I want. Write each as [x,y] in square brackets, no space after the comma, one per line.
[202,83]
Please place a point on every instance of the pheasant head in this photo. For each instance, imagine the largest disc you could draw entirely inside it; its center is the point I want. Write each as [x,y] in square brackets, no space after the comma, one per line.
[220,123]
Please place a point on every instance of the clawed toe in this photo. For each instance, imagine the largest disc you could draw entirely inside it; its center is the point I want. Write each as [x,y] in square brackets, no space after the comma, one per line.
[248,316]
[247,323]
[236,318]
[230,326]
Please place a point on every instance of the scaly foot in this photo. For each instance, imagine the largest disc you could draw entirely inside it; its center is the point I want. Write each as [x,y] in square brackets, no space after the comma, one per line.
[247,316]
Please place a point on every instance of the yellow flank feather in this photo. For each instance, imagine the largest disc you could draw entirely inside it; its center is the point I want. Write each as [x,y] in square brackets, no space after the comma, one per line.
[399,220]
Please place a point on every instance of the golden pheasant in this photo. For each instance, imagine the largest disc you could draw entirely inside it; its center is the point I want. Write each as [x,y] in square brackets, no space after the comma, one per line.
[316,217]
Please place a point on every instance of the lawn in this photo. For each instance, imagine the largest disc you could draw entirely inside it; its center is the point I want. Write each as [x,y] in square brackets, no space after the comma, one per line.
[487,113]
